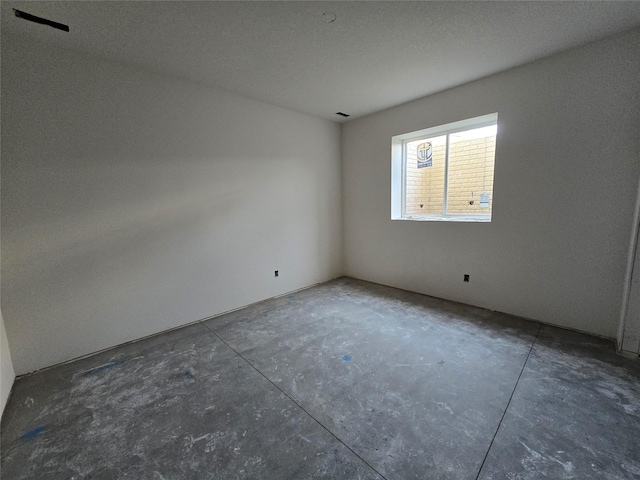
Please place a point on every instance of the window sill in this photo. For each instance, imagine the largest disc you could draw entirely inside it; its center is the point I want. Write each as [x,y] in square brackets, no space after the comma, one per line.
[442,218]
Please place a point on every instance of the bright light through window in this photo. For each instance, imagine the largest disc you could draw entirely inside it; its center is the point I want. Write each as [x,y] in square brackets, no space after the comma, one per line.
[446,172]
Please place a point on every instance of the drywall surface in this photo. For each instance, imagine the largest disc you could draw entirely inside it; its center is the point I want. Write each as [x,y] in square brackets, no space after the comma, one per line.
[630,342]
[566,173]
[7,374]
[133,203]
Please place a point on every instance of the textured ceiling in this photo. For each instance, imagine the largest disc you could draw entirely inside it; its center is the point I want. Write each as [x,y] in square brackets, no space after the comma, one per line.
[373,56]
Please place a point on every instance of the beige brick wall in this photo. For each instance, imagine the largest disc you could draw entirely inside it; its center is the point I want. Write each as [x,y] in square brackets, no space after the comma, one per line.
[425,186]
[471,164]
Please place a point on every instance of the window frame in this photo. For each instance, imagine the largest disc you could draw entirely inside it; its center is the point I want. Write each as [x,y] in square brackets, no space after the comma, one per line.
[399,170]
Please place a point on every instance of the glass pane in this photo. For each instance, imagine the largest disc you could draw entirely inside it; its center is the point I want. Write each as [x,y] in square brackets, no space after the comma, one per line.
[424,188]
[471,161]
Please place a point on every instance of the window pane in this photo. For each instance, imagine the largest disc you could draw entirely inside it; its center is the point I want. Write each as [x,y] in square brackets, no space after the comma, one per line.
[425,176]
[471,161]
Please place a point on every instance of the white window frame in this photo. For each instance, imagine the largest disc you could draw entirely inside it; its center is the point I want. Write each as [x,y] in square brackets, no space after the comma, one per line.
[398,170]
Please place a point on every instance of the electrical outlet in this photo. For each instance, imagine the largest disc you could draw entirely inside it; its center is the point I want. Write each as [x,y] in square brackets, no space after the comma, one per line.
[276,273]
[466,277]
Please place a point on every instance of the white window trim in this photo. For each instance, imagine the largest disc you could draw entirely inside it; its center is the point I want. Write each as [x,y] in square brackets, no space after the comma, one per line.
[398,172]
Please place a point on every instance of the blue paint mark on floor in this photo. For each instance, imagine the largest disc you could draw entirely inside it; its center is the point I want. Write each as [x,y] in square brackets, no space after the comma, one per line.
[291,296]
[101,368]
[346,358]
[31,434]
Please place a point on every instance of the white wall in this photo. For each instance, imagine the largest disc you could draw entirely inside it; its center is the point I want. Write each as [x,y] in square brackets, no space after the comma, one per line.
[565,185]
[629,341]
[133,203]
[7,374]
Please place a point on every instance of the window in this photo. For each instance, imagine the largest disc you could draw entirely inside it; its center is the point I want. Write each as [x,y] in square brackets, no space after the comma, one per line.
[445,173]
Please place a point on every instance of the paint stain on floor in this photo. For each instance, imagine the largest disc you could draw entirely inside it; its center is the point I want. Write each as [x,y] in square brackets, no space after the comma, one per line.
[101,368]
[31,434]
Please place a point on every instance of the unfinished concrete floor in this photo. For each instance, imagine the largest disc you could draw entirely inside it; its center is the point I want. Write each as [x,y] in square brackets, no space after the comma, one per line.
[347,380]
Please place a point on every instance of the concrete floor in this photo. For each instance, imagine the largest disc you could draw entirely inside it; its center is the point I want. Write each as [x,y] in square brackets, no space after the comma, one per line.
[347,380]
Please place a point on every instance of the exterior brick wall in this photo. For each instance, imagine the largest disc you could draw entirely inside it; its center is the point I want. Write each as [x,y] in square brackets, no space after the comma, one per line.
[471,163]
[425,186]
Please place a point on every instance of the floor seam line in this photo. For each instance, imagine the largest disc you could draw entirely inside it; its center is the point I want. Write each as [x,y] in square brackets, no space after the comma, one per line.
[296,403]
[506,408]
